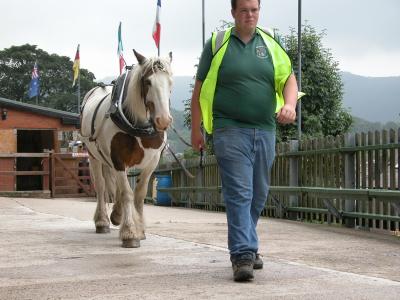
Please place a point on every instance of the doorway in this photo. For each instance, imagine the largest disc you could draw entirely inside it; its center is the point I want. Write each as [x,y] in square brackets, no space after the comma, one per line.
[32,141]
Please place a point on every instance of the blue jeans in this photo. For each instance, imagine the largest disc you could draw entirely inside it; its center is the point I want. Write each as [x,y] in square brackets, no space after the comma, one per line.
[245,157]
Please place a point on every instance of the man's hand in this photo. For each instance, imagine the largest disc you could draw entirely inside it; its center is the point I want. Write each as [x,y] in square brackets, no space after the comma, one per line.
[287,114]
[197,139]
[197,136]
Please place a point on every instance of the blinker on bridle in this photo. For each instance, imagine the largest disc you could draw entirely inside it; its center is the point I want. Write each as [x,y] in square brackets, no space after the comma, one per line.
[158,66]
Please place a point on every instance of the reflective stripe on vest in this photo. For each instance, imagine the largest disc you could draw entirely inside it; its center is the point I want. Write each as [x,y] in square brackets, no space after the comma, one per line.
[219,43]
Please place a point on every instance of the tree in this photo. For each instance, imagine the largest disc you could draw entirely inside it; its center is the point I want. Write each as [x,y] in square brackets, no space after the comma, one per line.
[322,111]
[55,71]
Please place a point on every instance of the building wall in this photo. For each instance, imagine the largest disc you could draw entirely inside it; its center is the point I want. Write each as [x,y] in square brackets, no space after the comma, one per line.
[8,141]
[7,182]
[26,120]
[8,144]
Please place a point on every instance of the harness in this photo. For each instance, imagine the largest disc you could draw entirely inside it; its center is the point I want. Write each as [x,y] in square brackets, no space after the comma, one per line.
[117,115]
[116,112]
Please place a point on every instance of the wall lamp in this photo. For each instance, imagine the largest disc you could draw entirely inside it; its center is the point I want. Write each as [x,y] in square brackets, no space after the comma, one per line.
[4,113]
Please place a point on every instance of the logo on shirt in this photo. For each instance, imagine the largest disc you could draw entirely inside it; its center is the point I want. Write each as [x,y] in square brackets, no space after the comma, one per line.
[261,52]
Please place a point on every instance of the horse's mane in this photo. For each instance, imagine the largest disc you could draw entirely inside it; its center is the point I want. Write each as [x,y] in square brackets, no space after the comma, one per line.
[135,107]
[155,64]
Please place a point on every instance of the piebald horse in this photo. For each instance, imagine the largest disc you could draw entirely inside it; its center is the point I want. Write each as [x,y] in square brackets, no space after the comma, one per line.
[113,148]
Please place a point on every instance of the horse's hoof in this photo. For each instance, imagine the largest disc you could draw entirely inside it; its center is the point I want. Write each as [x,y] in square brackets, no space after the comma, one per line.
[131,243]
[102,229]
[115,218]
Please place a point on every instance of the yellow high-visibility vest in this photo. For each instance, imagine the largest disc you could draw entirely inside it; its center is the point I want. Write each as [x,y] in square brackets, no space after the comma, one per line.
[219,42]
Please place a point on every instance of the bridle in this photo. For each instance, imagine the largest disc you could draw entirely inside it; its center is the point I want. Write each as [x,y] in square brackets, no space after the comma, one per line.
[144,86]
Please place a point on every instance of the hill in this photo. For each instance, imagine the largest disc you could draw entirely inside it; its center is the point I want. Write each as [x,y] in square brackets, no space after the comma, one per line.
[176,144]
[361,125]
[181,91]
[375,99]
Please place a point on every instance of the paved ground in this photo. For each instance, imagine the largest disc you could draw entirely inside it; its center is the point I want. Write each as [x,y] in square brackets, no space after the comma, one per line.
[48,250]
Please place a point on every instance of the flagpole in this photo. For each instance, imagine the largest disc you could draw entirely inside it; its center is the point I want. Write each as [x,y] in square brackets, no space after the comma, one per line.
[203,40]
[77,76]
[34,86]
[157,28]
[37,95]
[203,25]
[159,24]
[299,70]
[79,91]
[159,45]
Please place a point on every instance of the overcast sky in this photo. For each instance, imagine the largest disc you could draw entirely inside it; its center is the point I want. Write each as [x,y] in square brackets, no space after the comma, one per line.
[363,35]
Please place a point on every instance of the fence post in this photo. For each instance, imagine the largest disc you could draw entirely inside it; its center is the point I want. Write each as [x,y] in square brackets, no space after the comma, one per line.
[52,174]
[182,195]
[293,177]
[199,183]
[349,177]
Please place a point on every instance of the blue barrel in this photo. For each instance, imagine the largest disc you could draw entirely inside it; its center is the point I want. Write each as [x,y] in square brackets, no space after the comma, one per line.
[163,181]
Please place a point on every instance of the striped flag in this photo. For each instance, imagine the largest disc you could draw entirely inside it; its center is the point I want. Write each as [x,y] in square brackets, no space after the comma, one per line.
[76,66]
[157,25]
[34,86]
[122,62]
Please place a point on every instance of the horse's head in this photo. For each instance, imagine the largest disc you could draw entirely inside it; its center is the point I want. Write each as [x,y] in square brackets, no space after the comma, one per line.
[156,84]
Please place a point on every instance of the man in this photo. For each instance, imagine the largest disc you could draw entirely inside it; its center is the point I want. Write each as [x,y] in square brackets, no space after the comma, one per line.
[244,82]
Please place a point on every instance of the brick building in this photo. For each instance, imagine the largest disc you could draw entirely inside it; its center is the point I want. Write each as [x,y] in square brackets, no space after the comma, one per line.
[26,128]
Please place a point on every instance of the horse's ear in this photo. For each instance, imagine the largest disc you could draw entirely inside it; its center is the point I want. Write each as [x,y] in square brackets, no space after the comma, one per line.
[140,58]
[170,56]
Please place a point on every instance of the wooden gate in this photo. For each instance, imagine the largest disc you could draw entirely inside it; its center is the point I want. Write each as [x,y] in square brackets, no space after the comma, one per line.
[70,175]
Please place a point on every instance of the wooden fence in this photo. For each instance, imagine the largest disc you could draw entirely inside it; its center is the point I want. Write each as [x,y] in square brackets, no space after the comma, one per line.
[51,174]
[351,180]
[70,174]
[14,170]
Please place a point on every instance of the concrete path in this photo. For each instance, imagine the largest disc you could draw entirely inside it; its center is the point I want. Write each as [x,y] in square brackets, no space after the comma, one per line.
[48,250]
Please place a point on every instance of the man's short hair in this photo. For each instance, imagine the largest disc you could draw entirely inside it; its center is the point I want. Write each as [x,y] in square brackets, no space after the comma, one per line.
[233,3]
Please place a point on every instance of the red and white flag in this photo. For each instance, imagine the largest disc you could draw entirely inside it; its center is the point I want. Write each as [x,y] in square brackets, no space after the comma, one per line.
[157,25]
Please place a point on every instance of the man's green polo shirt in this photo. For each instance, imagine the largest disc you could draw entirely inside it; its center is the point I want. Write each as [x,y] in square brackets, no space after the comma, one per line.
[245,94]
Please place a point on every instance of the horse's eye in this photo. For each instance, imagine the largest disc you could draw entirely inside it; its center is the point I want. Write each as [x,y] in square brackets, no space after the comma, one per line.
[147,82]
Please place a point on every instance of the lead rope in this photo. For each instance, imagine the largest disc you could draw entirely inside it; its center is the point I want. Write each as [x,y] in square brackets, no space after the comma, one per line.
[180,137]
[201,163]
[202,156]
[185,170]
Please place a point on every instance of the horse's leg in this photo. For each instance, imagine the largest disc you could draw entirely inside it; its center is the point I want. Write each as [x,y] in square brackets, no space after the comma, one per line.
[127,232]
[140,193]
[116,214]
[113,194]
[100,217]
[111,186]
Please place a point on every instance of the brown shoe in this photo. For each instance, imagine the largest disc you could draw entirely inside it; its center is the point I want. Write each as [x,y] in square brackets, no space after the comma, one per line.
[258,263]
[243,270]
